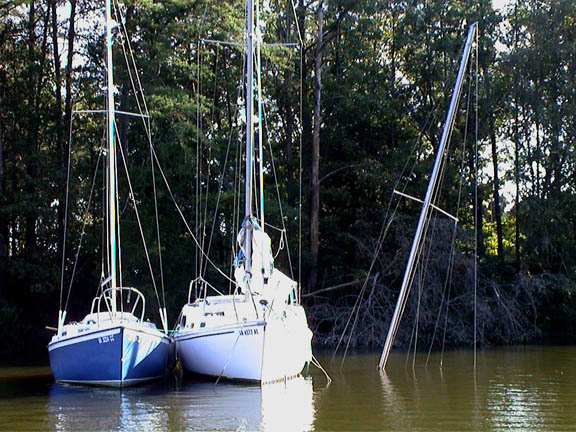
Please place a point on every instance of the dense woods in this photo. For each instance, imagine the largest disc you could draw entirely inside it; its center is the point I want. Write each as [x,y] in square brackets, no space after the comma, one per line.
[355,94]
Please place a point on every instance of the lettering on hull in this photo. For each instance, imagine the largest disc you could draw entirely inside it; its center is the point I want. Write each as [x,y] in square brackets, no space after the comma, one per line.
[248,332]
[106,339]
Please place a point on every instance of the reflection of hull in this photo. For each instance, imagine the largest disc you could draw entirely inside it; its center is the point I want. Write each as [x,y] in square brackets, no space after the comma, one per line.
[288,406]
[114,356]
[192,405]
[80,408]
[255,351]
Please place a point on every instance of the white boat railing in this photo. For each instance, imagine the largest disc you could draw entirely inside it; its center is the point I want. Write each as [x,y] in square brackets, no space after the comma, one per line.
[97,302]
[201,290]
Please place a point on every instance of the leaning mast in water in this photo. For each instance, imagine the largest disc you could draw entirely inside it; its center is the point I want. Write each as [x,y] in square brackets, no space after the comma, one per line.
[427,203]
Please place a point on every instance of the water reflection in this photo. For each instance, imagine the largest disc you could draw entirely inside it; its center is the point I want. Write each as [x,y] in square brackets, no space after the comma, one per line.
[85,408]
[188,405]
[392,403]
[288,406]
[530,388]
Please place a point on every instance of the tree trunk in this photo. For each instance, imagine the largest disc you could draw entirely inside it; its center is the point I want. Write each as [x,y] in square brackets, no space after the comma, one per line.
[477,204]
[60,130]
[65,141]
[517,194]
[516,153]
[30,219]
[315,181]
[496,189]
[3,222]
[123,122]
[68,77]
[126,88]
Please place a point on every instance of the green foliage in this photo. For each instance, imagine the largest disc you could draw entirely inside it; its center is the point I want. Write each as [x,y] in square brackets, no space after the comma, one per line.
[388,72]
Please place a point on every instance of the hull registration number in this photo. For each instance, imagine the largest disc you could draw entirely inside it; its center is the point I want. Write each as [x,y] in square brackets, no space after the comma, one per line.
[248,332]
[106,339]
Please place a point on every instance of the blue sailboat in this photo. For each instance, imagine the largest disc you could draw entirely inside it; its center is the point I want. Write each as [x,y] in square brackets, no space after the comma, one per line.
[113,345]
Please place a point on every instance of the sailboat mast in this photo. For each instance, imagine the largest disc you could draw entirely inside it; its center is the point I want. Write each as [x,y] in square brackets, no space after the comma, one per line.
[111,190]
[249,133]
[260,131]
[416,244]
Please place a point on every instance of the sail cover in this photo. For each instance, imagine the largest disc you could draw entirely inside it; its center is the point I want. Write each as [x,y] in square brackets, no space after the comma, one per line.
[262,258]
[266,281]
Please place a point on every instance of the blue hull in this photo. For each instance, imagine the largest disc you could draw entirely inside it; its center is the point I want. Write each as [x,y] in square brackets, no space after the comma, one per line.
[116,356]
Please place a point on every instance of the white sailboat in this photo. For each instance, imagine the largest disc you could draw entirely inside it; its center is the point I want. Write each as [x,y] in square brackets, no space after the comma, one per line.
[113,345]
[259,333]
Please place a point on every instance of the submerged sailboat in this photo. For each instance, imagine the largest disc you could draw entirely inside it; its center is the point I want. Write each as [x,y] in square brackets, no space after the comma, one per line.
[427,204]
[113,345]
[260,332]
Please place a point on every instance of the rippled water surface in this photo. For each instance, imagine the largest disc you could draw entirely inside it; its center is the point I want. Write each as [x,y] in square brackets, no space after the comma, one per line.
[529,388]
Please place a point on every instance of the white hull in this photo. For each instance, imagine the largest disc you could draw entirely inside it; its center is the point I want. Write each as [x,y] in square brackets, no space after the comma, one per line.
[261,350]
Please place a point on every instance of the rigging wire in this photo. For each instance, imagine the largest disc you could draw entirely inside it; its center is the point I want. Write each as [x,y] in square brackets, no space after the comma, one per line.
[355,309]
[179,210]
[300,133]
[425,215]
[66,212]
[236,209]
[476,203]
[284,230]
[145,116]
[117,228]
[422,264]
[448,280]
[222,174]
[83,231]
[387,222]
[197,193]
[133,199]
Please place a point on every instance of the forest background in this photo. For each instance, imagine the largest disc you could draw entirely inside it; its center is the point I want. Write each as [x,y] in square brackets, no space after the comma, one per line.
[372,79]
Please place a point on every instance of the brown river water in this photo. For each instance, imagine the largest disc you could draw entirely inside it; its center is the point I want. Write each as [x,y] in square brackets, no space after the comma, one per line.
[519,388]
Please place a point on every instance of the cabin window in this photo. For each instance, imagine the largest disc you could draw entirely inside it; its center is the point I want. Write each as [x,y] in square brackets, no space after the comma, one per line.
[183,322]
[202,324]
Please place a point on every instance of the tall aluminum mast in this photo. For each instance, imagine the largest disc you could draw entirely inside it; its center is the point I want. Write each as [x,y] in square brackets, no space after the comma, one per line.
[427,204]
[249,134]
[110,116]
[260,131]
